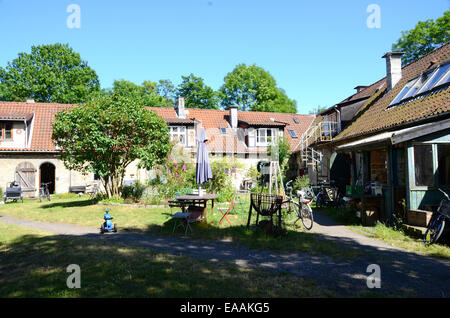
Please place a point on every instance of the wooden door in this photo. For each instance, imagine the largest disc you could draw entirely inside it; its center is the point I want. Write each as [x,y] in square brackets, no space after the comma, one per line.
[26,176]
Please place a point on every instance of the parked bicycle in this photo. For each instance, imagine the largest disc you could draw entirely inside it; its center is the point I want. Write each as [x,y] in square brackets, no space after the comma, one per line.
[294,211]
[329,196]
[44,192]
[437,221]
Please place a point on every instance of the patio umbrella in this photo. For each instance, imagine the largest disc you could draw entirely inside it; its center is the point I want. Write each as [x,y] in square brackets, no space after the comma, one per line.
[203,170]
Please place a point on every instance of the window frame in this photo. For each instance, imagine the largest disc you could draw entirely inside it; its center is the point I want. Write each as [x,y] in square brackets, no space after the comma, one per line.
[292,133]
[178,134]
[3,131]
[266,143]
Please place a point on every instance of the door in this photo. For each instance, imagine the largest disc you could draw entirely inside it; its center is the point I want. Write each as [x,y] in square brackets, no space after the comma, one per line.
[47,175]
[25,176]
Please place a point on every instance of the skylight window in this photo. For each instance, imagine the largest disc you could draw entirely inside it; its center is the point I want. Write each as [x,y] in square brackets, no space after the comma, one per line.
[438,78]
[223,130]
[295,120]
[404,91]
[425,82]
[293,134]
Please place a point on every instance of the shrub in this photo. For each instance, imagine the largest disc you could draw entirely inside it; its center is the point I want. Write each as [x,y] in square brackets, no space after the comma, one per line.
[134,191]
[301,182]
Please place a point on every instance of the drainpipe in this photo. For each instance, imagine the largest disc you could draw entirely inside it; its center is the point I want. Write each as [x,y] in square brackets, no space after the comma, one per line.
[339,122]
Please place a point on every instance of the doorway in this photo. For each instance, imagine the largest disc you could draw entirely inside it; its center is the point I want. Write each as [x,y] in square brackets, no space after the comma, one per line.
[47,175]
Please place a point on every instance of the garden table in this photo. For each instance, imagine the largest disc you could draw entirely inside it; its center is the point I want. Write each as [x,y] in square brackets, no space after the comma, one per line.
[194,199]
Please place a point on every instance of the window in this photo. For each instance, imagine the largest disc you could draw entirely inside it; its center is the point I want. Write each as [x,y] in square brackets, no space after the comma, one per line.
[264,136]
[423,165]
[425,82]
[403,91]
[418,84]
[295,120]
[293,134]
[443,154]
[6,131]
[178,134]
[223,130]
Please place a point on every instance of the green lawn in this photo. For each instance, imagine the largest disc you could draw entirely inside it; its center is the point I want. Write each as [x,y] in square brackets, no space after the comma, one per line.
[33,264]
[82,211]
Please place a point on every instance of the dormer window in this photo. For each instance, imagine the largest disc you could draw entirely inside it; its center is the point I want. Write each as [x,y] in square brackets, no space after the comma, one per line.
[6,131]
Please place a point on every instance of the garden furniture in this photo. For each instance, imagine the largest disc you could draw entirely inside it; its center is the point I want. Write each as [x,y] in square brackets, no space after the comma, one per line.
[225,212]
[185,219]
[197,200]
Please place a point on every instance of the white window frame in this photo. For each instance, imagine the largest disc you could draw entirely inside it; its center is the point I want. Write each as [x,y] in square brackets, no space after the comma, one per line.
[178,132]
[262,139]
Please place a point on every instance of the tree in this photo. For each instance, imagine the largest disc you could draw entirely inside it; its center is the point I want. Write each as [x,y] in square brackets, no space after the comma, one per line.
[50,73]
[280,151]
[108,133]
[196,94]
[167,90]
[253,88]
[145,94]
[424,38]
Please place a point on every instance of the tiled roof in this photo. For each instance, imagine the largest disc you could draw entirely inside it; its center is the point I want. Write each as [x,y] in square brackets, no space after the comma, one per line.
[44,114]
[212,120]
[15,116]
[375,116]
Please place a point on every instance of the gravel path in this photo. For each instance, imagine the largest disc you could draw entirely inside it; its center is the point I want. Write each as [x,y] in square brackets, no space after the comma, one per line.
[402,273]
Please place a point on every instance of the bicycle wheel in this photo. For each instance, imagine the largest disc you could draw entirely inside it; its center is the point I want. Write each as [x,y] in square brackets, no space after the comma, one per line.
[434,230]
[290,212]
[307,216]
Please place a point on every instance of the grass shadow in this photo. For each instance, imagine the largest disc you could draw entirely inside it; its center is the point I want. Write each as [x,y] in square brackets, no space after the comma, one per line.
[69,204]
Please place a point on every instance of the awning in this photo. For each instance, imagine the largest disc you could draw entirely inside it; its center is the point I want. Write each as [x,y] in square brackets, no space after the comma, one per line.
[395,137]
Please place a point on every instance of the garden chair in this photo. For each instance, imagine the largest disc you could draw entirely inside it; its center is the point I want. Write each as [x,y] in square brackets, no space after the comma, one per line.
[185,219]
[225,213]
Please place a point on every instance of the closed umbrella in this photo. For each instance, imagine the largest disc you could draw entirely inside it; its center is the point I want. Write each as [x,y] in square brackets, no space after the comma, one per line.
[203,170]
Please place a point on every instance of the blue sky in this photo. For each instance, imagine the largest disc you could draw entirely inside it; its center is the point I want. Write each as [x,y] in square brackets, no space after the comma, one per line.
[318,51]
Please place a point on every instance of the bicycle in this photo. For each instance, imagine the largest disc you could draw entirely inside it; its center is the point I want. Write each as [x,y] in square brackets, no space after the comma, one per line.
[44,192]
[329,196]
[437,222]
[295,211]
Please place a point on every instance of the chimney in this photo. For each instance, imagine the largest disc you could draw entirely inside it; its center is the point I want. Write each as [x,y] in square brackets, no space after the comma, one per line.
[360,88]
[233,116]
[181,112]
[393,68]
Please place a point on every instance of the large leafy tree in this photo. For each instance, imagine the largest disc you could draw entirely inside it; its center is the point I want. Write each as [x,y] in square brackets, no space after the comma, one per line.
[197,94]
[145,94]
[253,88]
[424,38]
[108,133]
[50,73]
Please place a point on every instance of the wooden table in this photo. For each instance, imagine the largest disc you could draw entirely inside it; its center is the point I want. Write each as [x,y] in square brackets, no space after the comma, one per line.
[197,200]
